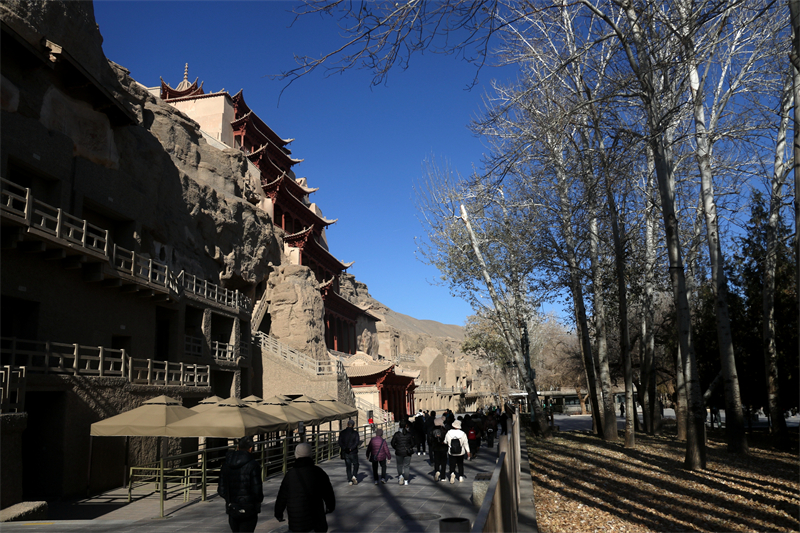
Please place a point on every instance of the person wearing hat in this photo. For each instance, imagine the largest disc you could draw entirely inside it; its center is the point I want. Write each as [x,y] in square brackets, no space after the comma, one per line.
[306,494]
[349,441]
[240,487]
[457,447]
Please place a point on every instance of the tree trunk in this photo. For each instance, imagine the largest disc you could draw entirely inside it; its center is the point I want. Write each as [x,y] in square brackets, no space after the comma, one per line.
[624,333]
[648,333]
[512,340]
[608,418]
[778,427]
[680,396]
[577,299]
[737,439]
[794,8]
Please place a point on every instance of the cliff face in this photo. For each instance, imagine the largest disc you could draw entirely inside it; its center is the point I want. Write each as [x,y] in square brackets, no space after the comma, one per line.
[396,333]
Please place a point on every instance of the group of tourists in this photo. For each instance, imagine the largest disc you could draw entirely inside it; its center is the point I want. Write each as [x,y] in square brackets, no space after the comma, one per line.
[306,493]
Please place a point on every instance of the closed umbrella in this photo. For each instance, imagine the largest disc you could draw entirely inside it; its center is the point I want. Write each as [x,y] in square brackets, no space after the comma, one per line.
[148,420]
[231,418]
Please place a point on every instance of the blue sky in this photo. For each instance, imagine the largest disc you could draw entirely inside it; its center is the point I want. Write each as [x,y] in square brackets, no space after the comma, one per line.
[362,146]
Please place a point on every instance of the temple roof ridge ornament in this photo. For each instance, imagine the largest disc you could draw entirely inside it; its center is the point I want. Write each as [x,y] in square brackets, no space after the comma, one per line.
[241,108]
[183,89]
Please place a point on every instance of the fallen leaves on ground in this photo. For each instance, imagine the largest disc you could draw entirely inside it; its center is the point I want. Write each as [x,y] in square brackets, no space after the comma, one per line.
[582,483]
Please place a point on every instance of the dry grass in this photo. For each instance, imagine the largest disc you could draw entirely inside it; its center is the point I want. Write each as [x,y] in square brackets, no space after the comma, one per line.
[582,484]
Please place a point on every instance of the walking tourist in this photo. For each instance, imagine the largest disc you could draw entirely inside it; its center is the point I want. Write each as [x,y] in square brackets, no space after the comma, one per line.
[429,425]
[438,450]
[240,487]
[419,432]
[457,447]
[306,494]
[403,444]
[490,426]
[349,441]
[378,454]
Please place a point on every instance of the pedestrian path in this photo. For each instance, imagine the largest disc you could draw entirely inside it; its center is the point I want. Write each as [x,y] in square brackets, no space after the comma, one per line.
[417,506]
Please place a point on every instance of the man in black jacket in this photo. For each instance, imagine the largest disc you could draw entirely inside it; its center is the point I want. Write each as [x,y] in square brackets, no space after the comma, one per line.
[306,493]
[349,441]
[240,486]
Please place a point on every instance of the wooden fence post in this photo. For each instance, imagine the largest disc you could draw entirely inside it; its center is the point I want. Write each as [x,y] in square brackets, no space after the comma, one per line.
[85,230]
[124,364]
[102,361]
[149,371]
[75,363]
[59,222]
[28,207]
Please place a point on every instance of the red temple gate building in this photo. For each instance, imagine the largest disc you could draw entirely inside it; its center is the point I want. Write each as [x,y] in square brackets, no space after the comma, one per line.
[378,383]
[228,119]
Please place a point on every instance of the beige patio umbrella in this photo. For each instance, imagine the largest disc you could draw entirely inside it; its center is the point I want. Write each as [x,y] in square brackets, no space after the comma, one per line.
[252,399]
[344,409]
[277,399]
[231,418]
[313,407]
[148,420]
[289,413]
[208,403]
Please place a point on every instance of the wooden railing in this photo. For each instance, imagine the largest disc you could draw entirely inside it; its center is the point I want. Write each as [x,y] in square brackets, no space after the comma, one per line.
[259,311]
[152,372]
[425,388]
[500,508]
[290,355]
[17,203]
[222,351]
[202,288]
[45,357]
[12,389]
[378,414]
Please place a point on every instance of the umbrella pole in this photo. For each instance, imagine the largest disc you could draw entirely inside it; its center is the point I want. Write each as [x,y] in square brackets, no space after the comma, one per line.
[161,484]
[203,467]
[127,452]
[89,472]
[285,451]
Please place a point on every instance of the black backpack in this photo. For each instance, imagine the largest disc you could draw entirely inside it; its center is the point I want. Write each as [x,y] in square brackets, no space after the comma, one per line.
[438,436]
[455,446]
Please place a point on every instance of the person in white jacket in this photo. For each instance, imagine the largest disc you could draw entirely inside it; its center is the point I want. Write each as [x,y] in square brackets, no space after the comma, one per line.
[457,448]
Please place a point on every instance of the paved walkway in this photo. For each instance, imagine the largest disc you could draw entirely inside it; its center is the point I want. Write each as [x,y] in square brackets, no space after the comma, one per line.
[363,507]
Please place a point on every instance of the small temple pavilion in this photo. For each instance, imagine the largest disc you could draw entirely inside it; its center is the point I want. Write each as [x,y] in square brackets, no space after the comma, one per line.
[229,120]
[377,383]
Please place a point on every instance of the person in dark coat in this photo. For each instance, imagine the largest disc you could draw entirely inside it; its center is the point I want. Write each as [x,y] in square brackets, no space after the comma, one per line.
[403,444]
[306,494]
[419,432]
[240,486]
[438,449]
[349,441]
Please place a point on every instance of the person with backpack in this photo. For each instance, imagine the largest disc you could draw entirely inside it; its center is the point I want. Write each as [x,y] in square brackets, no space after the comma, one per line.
[458,446]
[473,439]
[438,449]
[378,454]
[490,426]
[419,432]
[403,444]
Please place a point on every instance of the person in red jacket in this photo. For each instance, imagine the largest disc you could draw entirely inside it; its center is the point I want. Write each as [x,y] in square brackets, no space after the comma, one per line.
[306,494]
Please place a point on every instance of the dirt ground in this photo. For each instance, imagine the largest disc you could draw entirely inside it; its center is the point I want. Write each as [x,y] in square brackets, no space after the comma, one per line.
[584,484]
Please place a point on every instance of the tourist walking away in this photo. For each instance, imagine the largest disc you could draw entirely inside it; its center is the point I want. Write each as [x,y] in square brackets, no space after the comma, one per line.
[403,444]
[240,487]
[458,446]
[438,450]
[490,426]
[306,494]
[503,420]
[622,409]
[419,432]
[429,425]
[378,454]
[473,439]
[349,441]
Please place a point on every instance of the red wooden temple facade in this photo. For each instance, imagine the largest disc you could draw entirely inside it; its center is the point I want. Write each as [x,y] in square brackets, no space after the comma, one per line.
[303,224]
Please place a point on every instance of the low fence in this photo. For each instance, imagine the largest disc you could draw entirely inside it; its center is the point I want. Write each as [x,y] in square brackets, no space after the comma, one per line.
[17,203]
[45,357]
[277,349]
[500,508]
[179,475]
[12,390]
